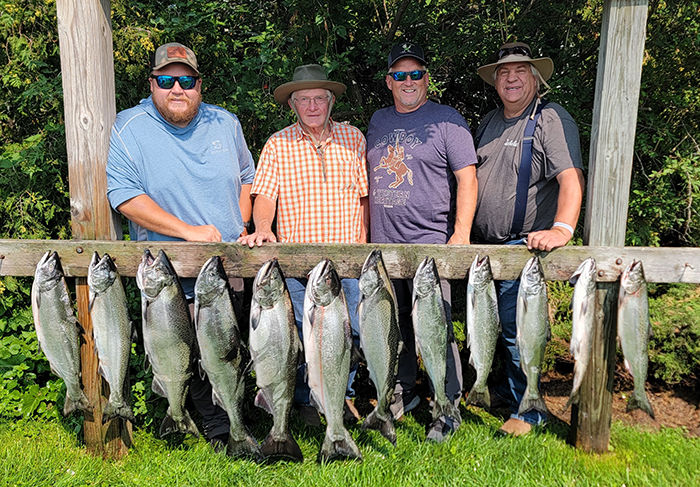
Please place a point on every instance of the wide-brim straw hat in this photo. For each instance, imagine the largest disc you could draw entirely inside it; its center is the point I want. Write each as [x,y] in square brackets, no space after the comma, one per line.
[308,77]
[516,52]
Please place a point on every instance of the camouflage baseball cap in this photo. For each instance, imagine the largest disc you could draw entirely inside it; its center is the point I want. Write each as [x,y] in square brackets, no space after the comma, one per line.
[174,52]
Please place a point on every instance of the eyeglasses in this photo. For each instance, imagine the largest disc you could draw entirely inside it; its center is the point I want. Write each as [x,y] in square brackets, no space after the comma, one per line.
[305,101]
[402,75]
[167,82]
[521,50]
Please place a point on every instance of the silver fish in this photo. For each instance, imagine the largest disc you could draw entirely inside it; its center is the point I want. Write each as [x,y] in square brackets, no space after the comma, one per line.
[634,330]
[532,323]
[380,340]
[57,329]
[112,330]
[431,331]
[276,350]
[583,322]
[168,337]
[327,348]
[223,356]
[483,327]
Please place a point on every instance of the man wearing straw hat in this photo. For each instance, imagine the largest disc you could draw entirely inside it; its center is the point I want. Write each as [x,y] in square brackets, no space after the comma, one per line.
[530,188]
[312,175]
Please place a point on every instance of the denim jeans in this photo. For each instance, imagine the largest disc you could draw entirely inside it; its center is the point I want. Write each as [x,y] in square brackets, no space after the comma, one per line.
[513,389]
[297,290]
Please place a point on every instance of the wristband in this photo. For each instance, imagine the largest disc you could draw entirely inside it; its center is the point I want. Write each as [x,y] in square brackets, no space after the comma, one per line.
[564,225]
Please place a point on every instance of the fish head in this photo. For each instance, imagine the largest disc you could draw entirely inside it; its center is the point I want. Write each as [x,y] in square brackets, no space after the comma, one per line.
[324,283]
[153,275]
[426,279]
[49,271]
[211,281]
[480,274]
[102,273]
[586,273]
[370,279]
[532,278]
[632,279]
[269,284]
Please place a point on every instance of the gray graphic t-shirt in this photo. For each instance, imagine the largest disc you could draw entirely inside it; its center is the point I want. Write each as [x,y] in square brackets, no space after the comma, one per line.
[555,147]
[412,158]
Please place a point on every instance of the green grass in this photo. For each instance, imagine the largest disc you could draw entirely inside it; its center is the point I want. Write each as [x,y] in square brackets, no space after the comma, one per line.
[36,454]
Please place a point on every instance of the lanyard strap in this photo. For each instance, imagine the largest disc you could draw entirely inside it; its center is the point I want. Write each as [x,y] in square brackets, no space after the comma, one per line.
[525,171]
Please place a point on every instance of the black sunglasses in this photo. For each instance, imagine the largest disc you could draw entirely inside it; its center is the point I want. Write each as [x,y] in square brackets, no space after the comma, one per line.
[402,75]
[166,82]
[521,50]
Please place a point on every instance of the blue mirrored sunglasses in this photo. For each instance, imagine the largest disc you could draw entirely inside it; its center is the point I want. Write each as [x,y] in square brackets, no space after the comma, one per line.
[402,75]
[167,82]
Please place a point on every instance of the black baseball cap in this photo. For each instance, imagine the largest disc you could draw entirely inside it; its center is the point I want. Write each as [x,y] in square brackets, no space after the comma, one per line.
[406,49]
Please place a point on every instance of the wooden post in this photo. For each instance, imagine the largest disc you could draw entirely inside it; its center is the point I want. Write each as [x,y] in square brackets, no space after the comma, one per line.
[85,39]
[610,168]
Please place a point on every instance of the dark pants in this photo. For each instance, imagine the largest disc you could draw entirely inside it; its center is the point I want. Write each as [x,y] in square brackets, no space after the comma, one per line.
[408,360]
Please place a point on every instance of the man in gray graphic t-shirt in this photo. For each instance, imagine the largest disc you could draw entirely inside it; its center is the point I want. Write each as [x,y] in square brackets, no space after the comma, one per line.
[546,214]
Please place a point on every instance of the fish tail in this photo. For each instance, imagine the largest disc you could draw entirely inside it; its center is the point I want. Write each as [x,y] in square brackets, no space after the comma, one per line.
[447,409]
[344,449]
[480,397]
[186,425]
[245,448]
[81,403]
[281,449]
[532,402]
[115,410]
[384,426]
[640,401]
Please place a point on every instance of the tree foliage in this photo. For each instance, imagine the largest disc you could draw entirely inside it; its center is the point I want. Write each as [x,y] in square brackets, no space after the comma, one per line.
[247,48]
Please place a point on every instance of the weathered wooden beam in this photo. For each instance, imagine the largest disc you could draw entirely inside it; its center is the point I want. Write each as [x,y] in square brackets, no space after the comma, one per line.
[609,177]
[660,264]
[87,68]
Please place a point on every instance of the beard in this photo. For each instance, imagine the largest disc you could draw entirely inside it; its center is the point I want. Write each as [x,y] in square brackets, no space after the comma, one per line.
[179,117]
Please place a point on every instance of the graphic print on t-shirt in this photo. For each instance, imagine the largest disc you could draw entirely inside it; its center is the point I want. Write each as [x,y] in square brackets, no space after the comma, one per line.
[393,163]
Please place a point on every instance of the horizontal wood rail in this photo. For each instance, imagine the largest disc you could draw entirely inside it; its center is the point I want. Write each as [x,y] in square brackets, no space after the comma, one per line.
[19,258]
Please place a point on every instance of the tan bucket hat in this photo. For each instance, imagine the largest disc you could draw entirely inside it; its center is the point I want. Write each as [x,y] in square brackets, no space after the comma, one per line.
[308,77]
[174,52]
[516,52]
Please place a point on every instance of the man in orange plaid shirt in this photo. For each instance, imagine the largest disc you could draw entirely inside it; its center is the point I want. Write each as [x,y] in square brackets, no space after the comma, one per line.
[313,174]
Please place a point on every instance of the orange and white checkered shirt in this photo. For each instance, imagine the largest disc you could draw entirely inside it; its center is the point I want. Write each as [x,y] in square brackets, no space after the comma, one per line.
[312,208]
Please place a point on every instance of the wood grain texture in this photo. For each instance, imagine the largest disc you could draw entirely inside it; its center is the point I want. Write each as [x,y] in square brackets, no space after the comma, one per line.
[87,69]
[296,260]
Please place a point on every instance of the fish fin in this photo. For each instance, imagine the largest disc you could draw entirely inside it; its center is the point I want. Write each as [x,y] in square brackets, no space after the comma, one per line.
[91,300]
[280,450]
[158,388]
[316,402]
[81,403]
[640,401]
[573,399]
[479,398]
[384,426]
[113,411]
[232,354]
[101,370]
[530,403]
[262,402]
[169,425]
[216,399]
[255,313]
[344,449]
[200,370]
[245,448]
[134,333]
[195,312]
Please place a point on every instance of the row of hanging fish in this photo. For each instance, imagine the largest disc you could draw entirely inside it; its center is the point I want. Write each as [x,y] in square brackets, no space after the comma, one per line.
[173,345]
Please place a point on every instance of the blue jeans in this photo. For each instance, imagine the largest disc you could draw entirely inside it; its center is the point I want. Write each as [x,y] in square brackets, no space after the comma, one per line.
[297,290]
[513,389]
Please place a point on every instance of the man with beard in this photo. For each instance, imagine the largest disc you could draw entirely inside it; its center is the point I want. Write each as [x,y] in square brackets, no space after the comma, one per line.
[180,169]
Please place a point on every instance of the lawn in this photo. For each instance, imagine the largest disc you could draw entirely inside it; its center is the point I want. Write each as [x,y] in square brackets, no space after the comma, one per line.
[35,454]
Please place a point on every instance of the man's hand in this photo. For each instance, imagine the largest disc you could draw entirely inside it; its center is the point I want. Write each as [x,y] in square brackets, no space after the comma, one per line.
[202,233]
[458,239]
[547,240]
[257,238]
